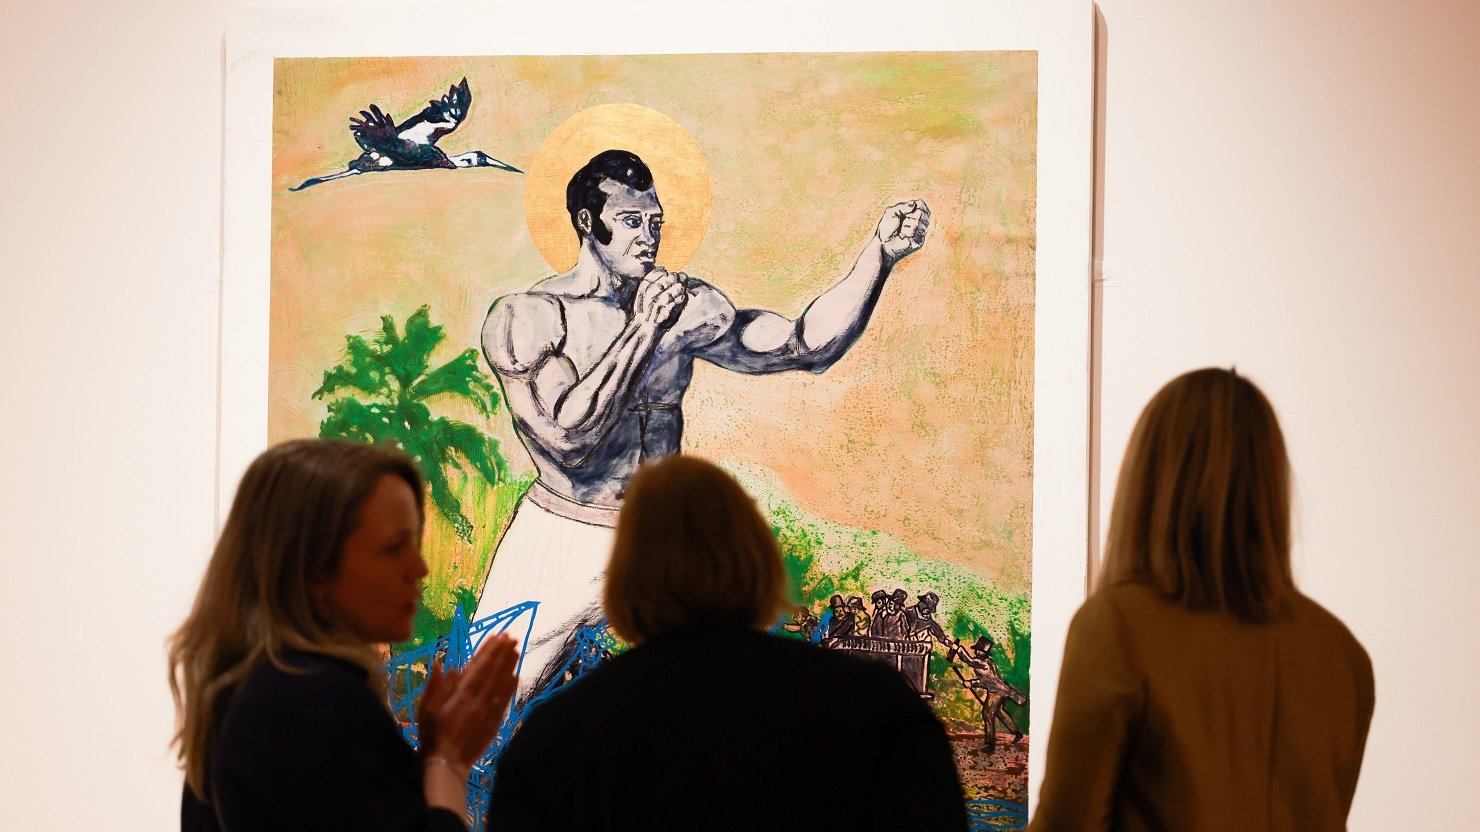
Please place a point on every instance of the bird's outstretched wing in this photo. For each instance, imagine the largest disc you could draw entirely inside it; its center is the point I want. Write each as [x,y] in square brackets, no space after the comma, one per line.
[375,131]
[441,116]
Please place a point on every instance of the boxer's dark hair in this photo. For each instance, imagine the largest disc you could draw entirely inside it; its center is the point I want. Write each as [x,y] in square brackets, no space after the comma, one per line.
[584,190]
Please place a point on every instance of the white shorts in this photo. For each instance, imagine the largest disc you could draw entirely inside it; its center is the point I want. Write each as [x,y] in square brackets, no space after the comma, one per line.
[557,561]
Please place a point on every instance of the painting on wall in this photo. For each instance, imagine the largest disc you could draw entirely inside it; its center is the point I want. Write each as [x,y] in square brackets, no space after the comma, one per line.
[534,272]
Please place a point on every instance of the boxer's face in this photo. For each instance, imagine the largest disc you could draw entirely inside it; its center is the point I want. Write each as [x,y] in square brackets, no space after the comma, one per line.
[635,220]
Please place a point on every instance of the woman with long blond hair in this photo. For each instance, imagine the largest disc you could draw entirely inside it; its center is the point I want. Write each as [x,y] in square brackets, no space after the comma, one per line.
[709,722]
[1200,689]
[283,722]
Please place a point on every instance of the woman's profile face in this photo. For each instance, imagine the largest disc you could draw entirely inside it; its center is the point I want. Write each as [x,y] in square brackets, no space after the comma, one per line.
[375,590]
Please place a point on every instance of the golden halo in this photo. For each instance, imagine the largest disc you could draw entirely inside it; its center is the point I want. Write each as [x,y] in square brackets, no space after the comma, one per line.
[680,174]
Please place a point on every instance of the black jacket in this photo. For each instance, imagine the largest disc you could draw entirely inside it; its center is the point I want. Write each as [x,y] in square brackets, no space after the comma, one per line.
[730,730]
[311,751]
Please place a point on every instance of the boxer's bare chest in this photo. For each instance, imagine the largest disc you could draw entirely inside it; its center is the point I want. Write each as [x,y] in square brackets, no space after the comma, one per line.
[593,327]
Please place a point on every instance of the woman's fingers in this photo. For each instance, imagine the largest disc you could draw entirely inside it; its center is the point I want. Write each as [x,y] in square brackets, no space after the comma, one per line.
[492,663]
[435,677]
[469,707]
[498,687]
[503,694]
[441,691]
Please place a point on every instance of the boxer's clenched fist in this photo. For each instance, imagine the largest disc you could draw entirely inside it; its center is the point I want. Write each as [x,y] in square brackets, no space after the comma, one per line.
[903,228]
[660,297]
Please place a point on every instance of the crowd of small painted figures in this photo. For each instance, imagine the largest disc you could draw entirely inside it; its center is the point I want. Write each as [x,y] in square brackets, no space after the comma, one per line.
[846,625]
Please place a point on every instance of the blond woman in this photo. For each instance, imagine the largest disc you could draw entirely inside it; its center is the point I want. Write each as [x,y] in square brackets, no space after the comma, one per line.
[1200,689]
[283,723]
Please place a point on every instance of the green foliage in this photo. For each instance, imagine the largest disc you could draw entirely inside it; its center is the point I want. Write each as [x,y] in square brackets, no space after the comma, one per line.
[384,384]
[427,626]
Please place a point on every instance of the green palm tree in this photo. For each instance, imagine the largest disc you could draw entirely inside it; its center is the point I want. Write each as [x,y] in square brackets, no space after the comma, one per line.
[391,371]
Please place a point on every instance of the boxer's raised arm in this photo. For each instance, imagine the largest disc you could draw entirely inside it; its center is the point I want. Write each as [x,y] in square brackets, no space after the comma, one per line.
[766,342]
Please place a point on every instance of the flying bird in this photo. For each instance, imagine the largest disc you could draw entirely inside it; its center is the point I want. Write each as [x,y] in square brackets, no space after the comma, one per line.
[412,144]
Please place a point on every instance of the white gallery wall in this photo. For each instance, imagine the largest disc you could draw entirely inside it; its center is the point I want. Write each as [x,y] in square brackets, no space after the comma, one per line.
[1292,188]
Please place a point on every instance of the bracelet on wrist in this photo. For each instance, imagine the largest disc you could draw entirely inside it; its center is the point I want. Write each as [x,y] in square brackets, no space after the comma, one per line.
[462,772]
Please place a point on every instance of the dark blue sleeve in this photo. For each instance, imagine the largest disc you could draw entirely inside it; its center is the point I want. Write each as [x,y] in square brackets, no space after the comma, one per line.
[518,803]
[924,790]
[514,804]
[318,751]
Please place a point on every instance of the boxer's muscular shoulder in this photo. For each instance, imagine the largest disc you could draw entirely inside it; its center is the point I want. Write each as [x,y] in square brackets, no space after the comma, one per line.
[522,330]
[707,313]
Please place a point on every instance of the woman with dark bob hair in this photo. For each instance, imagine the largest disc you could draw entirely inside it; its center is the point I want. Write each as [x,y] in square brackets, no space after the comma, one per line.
[709,722]
[283,722]
[1200,690]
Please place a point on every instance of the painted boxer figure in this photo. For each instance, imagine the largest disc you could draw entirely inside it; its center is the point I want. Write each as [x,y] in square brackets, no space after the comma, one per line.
[594,364]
